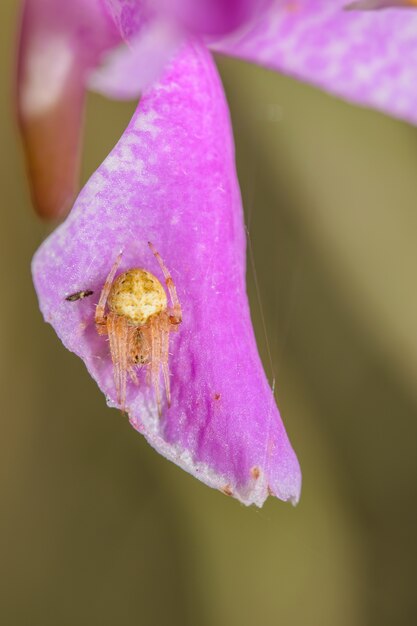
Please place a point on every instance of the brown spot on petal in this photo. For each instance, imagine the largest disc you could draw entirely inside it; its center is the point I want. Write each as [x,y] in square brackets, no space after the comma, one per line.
[292,6]
[217,396]
[227,490]
[255,472]
[83,325]
[270,492]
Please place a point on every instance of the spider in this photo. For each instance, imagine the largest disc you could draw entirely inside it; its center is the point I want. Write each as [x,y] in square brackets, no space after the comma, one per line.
[138,324]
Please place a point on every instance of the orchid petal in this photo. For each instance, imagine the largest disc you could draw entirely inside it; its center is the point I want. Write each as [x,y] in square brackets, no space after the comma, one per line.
[153,31]
[60,42]
[347,48]
[369,58]
[212,17]
[130,16]
[129,69]
[203,17]
[171,180]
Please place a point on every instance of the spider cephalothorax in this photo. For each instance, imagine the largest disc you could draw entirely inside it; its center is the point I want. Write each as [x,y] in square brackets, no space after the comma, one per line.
[138,323]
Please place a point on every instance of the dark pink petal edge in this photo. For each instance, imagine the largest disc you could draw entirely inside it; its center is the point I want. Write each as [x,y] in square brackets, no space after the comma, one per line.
[171,180]
[199,17]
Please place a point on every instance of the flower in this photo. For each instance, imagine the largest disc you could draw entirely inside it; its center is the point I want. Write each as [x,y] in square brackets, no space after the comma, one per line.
[171,180]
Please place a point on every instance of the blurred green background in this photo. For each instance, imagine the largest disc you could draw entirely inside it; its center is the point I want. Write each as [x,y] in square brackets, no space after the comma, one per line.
[97,529]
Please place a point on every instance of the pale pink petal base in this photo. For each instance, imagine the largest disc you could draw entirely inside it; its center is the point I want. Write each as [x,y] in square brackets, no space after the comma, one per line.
[132,67]
[369,58]
[171,180]
[59,43]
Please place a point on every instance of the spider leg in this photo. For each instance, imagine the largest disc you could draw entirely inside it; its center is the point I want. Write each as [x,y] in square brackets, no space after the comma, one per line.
[118,329]
[100,317]
[164,361]
[114,350]
[132,344]
[156,362]
[133,375]
[176,306]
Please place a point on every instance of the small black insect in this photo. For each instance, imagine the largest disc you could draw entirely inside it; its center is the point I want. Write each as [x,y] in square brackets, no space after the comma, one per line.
[80,295]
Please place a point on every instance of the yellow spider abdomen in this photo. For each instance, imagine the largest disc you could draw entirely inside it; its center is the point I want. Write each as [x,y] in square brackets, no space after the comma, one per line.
[137,295]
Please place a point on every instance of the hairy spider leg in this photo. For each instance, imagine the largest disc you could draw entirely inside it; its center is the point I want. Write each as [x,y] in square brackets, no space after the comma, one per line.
[156,361]
[119,336]
[176,306]
[100,317]
[133,375]
[164,359]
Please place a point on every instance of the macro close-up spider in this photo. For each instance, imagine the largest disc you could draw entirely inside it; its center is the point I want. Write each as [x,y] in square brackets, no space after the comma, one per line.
[138,323]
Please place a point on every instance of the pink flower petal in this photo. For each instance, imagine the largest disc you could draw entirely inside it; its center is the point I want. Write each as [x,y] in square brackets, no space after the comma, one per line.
[205,17]
[130,15]
[367,57]
[60,42]
[212,17]
[171,180]
[129,69]
[153,31]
